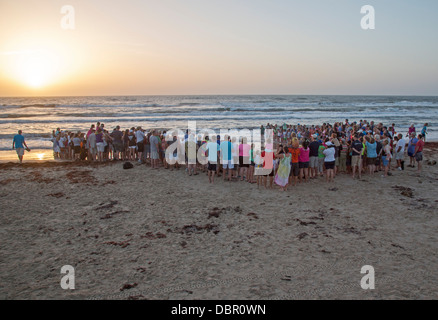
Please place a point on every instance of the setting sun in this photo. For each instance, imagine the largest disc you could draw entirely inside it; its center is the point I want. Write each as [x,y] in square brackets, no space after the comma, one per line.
[35,68]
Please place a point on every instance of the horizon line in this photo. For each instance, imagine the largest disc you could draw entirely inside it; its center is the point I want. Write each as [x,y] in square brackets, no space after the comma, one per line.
[222,94]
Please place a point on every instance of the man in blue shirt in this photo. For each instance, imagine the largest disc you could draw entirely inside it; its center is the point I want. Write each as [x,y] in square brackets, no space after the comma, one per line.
[18,144]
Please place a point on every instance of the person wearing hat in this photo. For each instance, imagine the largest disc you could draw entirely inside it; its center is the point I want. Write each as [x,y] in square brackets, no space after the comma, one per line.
[329,161]
[313,160]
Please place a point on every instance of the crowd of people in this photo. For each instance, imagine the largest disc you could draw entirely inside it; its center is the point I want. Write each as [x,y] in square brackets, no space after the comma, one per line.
[296,154]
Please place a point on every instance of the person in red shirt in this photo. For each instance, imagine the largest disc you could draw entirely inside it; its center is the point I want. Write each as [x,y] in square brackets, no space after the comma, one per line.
[418,154]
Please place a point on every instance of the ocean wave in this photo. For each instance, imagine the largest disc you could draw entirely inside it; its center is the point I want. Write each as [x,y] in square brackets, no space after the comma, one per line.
[37,105]
[17,116]
[182,104]
[30,135]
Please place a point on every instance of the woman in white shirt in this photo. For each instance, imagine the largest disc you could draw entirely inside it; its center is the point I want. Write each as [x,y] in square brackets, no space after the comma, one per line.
[329,161]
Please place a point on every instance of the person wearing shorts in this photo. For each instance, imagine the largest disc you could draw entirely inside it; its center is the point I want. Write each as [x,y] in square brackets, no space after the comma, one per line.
[155,157]
[330,165]
[140,147]
[19,144]
[117,137]
[226,156]
[386,156]
[330,161]
[303,165]
[313,160]
[295,168]
[321,157]
[356,149]
[212,149]
[418,154]
[76,146]
[304,160]
[355,161]
[212,166]
[400,152]
[139,138]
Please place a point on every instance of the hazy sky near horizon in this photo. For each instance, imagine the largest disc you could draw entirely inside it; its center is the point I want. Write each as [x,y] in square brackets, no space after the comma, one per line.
[218,47]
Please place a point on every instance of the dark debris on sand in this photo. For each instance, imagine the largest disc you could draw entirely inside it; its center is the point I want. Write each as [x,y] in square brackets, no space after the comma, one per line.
[122,244]
[128,286]
[36,176]
[405,191]
[55,164]
[302,235]
[151,236]
[110,205]
[188,229]
[81,176]
[56,195]
[305,223]
[110,215]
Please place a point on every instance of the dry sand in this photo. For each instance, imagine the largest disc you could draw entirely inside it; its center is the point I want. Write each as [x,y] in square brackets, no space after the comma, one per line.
[156,234]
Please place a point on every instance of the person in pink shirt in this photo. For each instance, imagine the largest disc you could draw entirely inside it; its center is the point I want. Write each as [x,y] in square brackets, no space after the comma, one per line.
[418,154]
[411,131]
[244,160]
[90,131]
[303,160]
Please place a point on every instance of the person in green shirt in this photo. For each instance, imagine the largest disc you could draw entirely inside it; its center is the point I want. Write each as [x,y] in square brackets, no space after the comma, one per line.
[321,157]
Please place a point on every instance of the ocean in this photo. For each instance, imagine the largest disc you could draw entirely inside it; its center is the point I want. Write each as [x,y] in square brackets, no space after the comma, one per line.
[38,116]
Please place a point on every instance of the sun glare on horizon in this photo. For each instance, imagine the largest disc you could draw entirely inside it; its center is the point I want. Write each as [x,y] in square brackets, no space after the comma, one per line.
[35,69]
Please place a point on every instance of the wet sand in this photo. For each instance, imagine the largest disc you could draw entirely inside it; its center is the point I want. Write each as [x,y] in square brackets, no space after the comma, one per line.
[156,234]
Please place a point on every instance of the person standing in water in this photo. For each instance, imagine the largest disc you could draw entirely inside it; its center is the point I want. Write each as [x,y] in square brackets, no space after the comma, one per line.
[19,144]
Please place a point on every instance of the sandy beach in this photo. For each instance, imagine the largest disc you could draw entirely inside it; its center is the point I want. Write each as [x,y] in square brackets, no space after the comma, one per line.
[156,234]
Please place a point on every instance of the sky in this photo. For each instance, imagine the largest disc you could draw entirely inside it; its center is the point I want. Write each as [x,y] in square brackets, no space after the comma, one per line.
[197,47]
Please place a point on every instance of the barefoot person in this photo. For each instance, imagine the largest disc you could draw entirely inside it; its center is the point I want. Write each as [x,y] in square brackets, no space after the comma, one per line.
[212,149]
[226,156]
[400,152]
[19,144]
[282,176]
[155,158]
[356,148]
[329,161]
[386,156]
[418,154]
[411,150]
